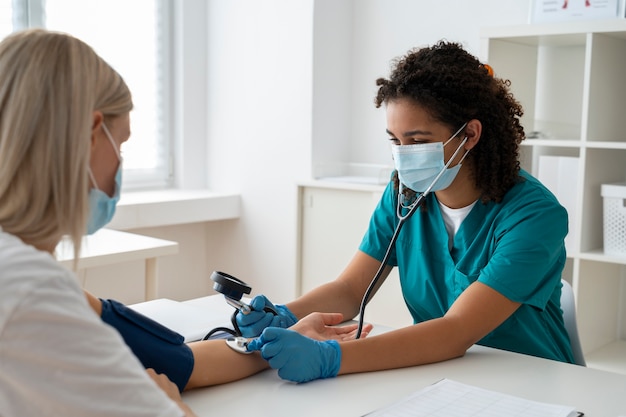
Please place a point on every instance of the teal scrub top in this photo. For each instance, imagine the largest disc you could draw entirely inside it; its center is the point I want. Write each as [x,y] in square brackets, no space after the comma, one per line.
[515,247]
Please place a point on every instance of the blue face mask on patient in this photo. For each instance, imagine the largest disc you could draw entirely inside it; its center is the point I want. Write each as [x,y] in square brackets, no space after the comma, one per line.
[102,206]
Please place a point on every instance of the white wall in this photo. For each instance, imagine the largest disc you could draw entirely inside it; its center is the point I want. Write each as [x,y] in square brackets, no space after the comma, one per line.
[291,83]
[383,30]
[262,92]
[259,124]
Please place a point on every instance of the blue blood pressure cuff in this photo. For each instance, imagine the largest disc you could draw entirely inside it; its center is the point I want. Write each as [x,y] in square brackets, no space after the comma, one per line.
[155,345]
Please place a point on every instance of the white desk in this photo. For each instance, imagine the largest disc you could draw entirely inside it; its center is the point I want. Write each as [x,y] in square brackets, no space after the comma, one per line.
[594,392]
[106,247]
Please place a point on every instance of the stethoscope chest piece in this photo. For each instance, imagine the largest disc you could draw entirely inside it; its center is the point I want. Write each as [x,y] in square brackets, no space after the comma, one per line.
[238,344]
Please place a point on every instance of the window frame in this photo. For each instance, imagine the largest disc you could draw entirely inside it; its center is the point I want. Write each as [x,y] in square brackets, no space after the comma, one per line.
[31,13]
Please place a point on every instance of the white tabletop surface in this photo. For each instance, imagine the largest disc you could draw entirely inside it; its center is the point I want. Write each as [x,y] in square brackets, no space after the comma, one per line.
[108,246]
[594,392]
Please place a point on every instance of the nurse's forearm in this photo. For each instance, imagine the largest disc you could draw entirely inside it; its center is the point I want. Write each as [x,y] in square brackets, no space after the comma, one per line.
[427,342]
[344,294]
[332,297]
[475,313]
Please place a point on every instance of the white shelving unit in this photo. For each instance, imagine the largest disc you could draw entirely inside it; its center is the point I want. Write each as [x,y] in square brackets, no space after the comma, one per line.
[571,79]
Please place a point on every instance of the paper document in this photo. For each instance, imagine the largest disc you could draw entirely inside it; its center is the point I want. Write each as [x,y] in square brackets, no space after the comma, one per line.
[453,399]
[192,322]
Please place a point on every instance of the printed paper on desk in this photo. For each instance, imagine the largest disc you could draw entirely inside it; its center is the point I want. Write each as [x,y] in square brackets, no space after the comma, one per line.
[453,399]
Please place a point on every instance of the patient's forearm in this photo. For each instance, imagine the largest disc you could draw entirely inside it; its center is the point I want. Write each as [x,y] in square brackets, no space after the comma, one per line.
[216,363]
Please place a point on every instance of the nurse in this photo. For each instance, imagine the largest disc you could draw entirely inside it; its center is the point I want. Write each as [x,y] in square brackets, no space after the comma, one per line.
[479,263]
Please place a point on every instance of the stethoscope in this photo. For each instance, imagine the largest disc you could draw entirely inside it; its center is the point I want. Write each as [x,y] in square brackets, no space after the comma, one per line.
[402,218]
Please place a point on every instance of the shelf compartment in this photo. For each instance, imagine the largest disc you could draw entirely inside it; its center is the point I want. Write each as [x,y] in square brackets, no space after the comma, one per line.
[568,76]
[548,77]
[606,88]
[559,91]
[602,166]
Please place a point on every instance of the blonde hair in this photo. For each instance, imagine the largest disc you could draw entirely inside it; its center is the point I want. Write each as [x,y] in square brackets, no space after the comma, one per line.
[50,85]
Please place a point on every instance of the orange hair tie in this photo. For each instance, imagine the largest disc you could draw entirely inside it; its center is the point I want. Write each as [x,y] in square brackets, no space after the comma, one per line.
[489,69]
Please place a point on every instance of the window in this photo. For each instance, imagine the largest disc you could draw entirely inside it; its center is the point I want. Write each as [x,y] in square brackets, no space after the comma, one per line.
[133,37]
[6,18]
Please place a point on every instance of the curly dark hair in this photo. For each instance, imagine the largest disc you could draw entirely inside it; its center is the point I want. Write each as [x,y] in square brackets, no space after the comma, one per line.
[455,87]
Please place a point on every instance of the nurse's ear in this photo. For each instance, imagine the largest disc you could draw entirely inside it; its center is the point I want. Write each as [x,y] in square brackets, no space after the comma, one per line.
[473,131]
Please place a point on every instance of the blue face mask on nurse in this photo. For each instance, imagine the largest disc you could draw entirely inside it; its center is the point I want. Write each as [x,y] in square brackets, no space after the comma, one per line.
[421,166]
[102,204]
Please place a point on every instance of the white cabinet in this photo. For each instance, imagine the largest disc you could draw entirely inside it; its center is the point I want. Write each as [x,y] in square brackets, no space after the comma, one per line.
[333,218]
[571,79]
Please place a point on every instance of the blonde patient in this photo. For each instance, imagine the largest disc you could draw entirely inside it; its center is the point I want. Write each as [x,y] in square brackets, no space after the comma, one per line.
[64,115]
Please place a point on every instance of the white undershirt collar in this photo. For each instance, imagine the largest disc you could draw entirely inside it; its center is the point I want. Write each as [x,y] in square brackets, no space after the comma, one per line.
[452,218]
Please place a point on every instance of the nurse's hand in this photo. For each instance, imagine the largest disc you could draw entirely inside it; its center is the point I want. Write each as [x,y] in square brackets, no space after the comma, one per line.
[323,326]
[298,358]
[253,323]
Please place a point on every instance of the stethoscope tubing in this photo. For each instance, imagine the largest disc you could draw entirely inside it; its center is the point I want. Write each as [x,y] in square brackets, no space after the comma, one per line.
[402,218]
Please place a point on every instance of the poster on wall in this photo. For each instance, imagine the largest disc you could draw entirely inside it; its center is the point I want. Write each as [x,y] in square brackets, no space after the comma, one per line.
[544,11]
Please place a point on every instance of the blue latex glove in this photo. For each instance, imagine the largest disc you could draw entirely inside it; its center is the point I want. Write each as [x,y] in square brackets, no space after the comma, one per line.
[298,358]
[253,323]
